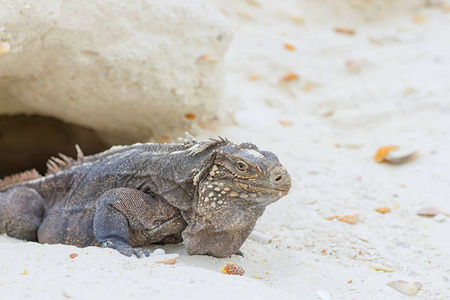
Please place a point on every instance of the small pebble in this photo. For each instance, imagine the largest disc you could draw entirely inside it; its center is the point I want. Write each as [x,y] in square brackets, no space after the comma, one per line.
[439,218]
[259,237]
[159,251]
[403,244]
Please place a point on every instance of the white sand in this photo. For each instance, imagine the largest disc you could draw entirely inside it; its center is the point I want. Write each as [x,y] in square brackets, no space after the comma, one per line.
[397,92]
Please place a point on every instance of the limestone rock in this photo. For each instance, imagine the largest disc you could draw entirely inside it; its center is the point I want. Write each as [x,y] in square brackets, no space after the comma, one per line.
[136,68]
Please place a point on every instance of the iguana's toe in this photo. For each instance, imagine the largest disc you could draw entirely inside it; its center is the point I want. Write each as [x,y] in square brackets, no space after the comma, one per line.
[139,252]
[108,244]
[125,249]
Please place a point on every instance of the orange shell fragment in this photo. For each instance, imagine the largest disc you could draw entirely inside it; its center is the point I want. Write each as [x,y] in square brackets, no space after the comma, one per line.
[349,219]
[383,210]
[254,77]
[286,123]
[349,31]
[190,116]
[168,261]
[383,152]
[232,269]
[289,77]
[297,19]
[289,47]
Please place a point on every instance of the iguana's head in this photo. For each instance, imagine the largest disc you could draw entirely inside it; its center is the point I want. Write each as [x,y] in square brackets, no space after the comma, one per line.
[235,184]
[242,176]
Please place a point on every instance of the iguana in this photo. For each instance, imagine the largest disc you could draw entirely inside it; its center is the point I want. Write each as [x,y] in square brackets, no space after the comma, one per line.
[207,194]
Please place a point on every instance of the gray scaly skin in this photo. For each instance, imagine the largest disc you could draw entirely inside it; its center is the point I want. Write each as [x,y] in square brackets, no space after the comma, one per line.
[206,194]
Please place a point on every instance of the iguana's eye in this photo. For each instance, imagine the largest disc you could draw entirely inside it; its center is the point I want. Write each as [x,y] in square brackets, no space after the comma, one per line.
[241,166]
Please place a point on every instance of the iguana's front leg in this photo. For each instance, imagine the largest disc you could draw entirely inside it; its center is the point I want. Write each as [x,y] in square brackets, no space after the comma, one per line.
[202,238]
[122,209]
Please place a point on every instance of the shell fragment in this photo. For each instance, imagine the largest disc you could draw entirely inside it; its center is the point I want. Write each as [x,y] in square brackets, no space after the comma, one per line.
[4,48]
[429,211]
[167,259]
[259,237]
[406,288]
[378,267]
[389,155]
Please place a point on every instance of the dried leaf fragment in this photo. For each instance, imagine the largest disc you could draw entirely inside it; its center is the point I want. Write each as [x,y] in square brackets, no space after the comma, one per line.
[345,30]
[328,114]
[419,19]
[211,124]
[73,255]
[164,139]
[208,58]
[383,210]
[353,66]
[289,47]
[244,15]
[253,2]
[232,269]
[4,48]
[383,152]
[286,123]
[289,77]
[307,88]
[406,288]
[297,19]
[349,219]
[429,211]
[254,77]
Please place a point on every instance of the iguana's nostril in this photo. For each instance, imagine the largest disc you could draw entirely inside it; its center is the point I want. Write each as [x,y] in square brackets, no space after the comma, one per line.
[280,178]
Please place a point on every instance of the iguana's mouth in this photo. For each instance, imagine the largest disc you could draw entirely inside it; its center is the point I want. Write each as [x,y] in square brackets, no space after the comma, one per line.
[280,191]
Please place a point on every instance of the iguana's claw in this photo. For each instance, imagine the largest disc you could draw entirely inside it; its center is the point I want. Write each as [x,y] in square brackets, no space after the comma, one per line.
[125,249]
[139,252]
